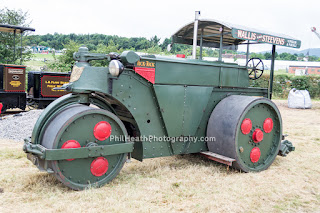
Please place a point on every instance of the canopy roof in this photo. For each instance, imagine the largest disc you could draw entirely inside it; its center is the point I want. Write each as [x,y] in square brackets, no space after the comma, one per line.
[233,35]
[11,28]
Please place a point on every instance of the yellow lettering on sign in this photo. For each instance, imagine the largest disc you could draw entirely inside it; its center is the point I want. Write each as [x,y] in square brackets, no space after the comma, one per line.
[149,64]
[15,83]
[145,64]
[52,82]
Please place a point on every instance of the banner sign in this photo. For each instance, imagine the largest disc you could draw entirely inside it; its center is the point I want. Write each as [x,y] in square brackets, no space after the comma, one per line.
[265,38]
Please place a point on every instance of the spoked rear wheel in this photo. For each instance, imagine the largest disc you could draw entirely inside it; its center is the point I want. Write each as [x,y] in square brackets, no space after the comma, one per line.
[82,126]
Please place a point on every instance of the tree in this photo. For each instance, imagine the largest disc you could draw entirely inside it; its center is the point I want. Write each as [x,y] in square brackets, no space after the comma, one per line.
[154,41]
[267,56]
[258,55]
[13,17]
[313,58]
[64,62]
[43,43]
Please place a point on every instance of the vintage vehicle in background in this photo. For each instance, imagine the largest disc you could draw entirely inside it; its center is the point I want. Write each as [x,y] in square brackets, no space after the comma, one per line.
[12,77]
[154,106]
[41,87]
[13,81]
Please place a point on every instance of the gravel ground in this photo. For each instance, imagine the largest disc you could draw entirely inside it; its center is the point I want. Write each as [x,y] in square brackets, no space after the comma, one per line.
[19,126]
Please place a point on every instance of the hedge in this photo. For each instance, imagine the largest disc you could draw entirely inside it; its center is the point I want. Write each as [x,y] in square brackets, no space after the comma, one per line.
[282,84]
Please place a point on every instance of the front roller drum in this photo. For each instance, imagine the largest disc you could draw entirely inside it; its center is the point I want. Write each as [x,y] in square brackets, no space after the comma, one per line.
[82,126]
[247,129]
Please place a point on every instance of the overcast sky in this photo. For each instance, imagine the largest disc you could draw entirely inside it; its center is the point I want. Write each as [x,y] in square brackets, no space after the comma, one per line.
[163,18]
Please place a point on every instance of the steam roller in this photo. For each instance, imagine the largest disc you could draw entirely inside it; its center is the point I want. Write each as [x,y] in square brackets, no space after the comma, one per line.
[149,106]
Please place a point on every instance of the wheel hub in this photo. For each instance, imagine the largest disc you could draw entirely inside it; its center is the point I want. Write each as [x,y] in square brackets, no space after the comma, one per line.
[102,130]
[99,166]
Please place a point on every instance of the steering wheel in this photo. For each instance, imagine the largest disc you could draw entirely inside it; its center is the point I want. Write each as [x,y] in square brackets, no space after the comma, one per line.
[255,68]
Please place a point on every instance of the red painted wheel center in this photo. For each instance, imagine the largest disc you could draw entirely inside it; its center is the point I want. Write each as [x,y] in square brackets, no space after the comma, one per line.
[246,126]
[71,144]
[257,135]
[255,155]
[99,166]
[102,130]
[268,125]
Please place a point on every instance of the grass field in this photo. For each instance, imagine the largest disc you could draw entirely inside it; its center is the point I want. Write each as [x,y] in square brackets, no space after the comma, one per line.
[181,183]
[278,72]
[38,60]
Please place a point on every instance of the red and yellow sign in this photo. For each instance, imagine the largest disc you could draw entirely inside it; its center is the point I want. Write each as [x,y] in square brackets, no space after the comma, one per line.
[146,69]
[48,83]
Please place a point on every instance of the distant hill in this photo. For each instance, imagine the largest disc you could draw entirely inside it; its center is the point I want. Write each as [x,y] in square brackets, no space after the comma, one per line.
[312,51]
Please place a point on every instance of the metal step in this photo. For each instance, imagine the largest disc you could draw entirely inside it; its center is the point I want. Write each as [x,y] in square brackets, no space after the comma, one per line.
[219,158]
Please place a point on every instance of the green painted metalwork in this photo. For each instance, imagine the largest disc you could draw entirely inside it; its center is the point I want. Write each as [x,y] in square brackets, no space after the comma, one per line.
[129,57]
[202,73]
[84,152]
[92,79]
[138,97]
[195,104]
[285,148]
[172,116]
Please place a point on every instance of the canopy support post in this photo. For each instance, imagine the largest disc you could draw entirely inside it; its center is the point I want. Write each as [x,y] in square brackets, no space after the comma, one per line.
[272,71]
[14,46]
[201,40]
[247,56]
[21,48]
[195,34]
[221,44]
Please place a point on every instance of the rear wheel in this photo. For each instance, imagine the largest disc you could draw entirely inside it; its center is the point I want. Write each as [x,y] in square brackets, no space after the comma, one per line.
[82,126]
[247,129]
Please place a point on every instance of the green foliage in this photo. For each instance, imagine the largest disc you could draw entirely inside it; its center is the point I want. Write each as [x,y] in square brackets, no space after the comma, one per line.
[313,58]
[282,84]
[64,62]
[13,17]
[101,48]
[282,56]
[58,41]
[43,43]
[267,56]
[257,55]
[300,82]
